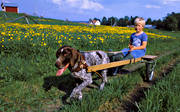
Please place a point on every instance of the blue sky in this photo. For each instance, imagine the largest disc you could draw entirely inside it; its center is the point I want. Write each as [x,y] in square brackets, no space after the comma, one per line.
[83,10]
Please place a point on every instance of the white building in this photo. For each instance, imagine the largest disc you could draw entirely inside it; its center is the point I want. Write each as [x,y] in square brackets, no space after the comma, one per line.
[95,22]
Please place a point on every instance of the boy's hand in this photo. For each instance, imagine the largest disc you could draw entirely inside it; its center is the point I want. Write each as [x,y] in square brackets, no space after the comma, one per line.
[131,47]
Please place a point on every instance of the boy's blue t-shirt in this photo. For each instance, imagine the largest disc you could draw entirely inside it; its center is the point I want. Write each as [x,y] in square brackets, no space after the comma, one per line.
[137,41]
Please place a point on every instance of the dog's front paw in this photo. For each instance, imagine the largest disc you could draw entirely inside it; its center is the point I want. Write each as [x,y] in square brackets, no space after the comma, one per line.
[79,96]
[76,95]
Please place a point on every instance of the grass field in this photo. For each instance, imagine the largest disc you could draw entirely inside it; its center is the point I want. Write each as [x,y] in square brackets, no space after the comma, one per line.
[27,72]
[8,17]
[163,97]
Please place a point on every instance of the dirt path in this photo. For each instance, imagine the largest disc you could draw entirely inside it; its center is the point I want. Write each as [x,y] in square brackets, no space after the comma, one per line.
[137,94]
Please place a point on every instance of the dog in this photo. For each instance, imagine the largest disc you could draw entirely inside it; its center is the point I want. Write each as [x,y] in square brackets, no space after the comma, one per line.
[77,62]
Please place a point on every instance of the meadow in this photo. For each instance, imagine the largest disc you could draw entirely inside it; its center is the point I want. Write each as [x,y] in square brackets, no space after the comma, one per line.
[163,97]
[27,71]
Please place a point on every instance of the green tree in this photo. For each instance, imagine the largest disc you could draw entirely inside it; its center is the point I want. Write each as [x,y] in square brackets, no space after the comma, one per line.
[121,22]
[112,21]
[132,19]
[160,24]
[171,23]
[126,20]
[104,21]
[149,21]
[177,15]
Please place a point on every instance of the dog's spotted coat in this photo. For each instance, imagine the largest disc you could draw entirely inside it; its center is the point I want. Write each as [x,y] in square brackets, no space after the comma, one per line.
[91,58]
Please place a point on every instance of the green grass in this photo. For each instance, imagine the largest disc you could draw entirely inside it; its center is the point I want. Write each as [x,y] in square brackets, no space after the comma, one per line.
[115,89]
[164,96]
[32,95]
[28,81]
[10,17]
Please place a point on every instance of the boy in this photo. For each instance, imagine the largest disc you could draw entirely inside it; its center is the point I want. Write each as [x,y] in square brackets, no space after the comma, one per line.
[137,45]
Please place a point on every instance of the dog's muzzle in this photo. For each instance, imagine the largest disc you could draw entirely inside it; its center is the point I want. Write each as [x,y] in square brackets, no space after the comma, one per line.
[57,64]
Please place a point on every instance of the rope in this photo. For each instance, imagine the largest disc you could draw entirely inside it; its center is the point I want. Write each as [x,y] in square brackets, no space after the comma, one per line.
[98,74]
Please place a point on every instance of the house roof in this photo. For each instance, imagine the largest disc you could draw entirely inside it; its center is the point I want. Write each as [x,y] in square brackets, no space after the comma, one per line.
[9,5]
[94,21]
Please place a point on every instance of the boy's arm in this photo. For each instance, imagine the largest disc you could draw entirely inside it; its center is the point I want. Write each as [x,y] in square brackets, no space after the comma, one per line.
[143,46]
[130,44]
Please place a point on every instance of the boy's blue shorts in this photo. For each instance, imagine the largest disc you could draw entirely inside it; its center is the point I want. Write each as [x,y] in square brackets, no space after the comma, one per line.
[134,53]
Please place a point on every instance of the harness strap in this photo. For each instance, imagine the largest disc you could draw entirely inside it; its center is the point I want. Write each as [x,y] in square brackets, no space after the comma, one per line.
[98,74]
[81,64]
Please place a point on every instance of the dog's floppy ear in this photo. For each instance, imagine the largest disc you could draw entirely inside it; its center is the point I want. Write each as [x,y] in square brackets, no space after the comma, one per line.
[58,52]
[74,57]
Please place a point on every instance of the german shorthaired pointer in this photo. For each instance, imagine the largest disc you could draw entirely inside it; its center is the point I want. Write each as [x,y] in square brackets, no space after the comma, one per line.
[77,62]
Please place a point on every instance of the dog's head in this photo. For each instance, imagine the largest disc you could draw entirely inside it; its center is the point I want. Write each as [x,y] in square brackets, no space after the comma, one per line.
[66,56]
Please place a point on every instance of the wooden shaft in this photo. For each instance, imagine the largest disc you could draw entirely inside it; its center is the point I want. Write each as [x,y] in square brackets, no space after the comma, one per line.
[115,52]
[112,64]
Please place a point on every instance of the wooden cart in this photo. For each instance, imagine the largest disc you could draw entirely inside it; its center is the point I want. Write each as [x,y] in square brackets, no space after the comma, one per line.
[149,60]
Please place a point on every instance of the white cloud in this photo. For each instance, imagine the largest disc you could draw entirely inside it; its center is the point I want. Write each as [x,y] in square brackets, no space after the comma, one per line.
[73,3]
[170,1]
[80,4]
[88,4]
[6,1]
[152,6]
[58,2]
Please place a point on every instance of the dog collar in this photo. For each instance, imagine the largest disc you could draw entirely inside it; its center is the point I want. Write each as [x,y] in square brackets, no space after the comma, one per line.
[81,64]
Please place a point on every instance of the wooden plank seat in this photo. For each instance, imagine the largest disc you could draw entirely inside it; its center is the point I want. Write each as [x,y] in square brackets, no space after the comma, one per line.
[149,57]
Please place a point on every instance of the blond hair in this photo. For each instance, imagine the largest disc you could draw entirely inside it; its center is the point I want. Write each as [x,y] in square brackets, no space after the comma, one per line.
[140,20]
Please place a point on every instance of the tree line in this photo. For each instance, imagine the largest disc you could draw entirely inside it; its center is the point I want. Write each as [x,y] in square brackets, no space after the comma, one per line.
[171,22]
